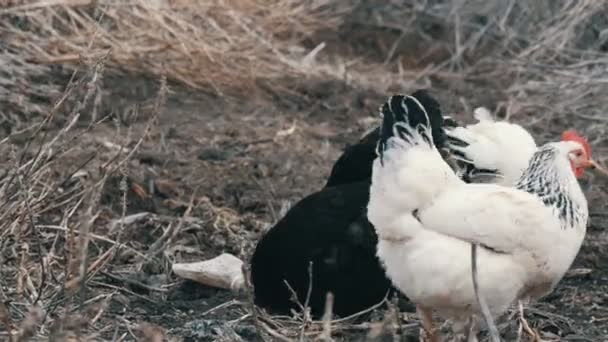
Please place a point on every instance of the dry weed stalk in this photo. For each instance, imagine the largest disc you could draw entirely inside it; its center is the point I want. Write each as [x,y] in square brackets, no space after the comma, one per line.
[29,326]
[540,52]
[36,187]
[549,56]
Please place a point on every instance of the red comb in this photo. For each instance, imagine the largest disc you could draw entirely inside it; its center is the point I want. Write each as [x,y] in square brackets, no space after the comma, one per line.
[571,135]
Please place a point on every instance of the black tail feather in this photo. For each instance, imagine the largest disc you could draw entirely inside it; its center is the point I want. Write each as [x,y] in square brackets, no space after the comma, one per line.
[449,122]
[410,111]
[469,171]
[456,142]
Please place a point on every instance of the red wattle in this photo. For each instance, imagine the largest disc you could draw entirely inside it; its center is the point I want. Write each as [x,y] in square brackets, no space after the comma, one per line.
[578,171]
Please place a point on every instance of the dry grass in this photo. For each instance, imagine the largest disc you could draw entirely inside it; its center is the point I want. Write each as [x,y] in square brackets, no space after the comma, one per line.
[542,63]
[47,215]
[540,53]
[213,45]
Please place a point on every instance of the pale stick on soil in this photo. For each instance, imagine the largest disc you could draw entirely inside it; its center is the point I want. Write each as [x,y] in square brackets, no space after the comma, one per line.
[223,271]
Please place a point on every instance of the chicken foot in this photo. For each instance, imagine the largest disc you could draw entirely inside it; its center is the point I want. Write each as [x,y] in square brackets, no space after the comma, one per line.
[472,330]
[427,324]
[534,336]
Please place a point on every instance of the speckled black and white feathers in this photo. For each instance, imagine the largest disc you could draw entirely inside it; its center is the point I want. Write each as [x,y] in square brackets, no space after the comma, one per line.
[542,179]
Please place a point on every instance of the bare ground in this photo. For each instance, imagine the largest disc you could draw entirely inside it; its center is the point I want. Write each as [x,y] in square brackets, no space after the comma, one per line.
[200,174]
[235,166]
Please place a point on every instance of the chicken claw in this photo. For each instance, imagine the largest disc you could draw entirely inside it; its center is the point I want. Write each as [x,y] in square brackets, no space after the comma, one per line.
[427,324]
[534,335]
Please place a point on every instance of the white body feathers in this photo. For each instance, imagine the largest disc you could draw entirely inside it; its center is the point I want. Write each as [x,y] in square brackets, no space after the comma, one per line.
[493,145]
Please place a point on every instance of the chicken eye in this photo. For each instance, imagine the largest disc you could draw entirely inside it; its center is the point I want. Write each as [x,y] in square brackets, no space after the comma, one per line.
[578,154]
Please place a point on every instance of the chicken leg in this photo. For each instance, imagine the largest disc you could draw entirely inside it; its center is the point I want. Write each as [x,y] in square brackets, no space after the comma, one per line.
[427,324]
[465,329]
[472,330]
[534,336]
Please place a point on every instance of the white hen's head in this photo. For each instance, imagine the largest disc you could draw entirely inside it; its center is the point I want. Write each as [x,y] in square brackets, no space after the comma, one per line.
[568,158]
[580,156]
[552,176]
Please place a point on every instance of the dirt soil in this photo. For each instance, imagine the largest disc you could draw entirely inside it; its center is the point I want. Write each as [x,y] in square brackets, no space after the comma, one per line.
[241,163]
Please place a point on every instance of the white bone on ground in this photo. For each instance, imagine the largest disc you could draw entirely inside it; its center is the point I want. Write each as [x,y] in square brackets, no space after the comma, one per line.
[223,271]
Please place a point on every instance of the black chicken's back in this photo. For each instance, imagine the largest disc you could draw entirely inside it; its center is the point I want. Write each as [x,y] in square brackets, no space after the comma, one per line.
[330,229]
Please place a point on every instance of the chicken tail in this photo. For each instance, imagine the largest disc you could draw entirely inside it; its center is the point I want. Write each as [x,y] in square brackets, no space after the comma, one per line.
[406,118]
[483,114]
[474,164]
[409,171]
[490,151]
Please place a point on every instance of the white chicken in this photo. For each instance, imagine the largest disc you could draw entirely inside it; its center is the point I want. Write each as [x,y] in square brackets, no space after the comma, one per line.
[426,219]
[480,149]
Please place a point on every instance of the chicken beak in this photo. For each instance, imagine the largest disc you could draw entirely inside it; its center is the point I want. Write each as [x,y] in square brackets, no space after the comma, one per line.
[592,164]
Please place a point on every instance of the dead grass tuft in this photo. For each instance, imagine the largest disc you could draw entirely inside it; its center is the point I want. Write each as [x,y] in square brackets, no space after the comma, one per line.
[546,52]
[213,45]
[48,215]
